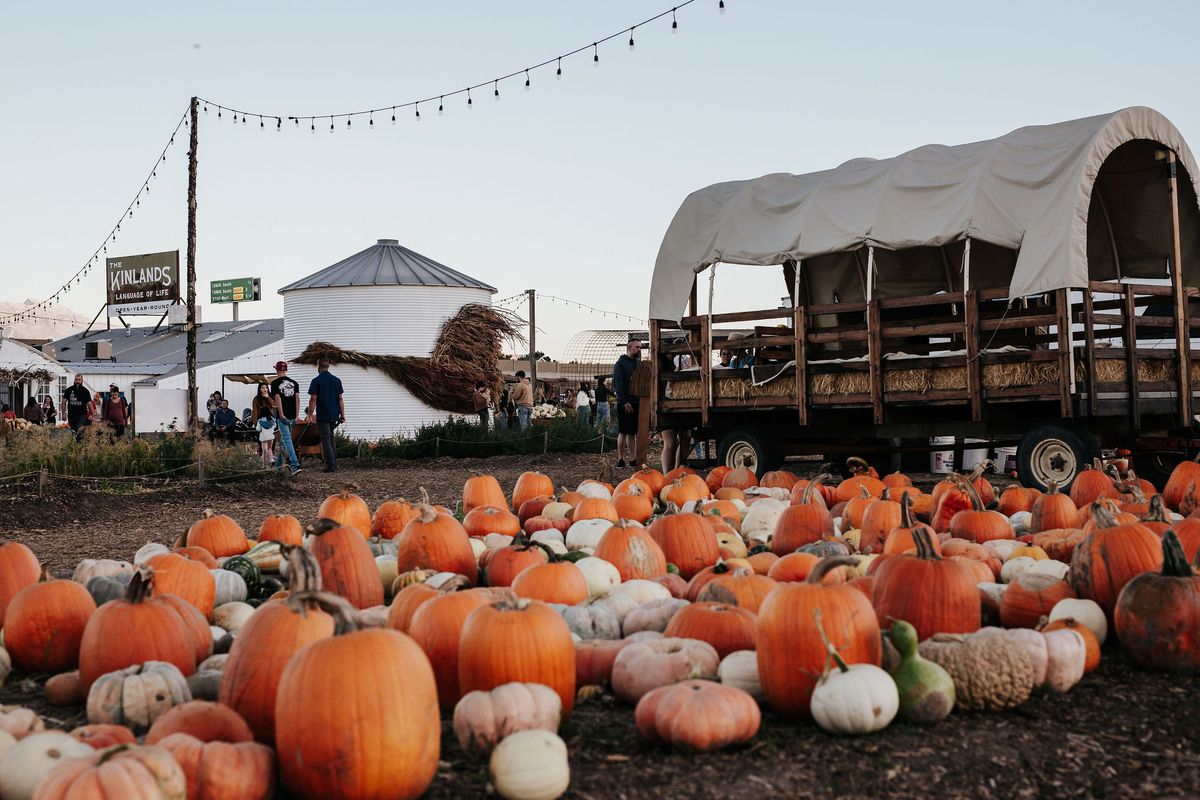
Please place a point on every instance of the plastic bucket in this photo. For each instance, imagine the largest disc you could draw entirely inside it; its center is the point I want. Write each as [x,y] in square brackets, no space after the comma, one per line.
[1006,459]
[942,461]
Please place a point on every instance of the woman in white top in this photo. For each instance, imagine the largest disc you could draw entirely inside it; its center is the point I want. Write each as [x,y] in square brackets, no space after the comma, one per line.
[583,404]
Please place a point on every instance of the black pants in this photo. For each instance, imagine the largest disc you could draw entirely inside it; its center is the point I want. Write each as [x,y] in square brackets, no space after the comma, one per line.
[327,448]
[483,418]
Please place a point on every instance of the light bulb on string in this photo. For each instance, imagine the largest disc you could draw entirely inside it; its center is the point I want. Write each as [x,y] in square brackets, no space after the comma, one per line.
[416,112]
[371,120]
[347,120]
[260,123]
[631,37]
[441,105]
[312,125]
[331,124]
[218,112]
[558,72]
[595,55]
[496,89]
[527,80]
[394,115]
[721,6]
[279,124]
[674,22]
[206,108]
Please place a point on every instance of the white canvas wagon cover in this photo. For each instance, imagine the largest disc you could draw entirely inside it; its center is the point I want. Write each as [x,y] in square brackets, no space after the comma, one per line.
[1029,191]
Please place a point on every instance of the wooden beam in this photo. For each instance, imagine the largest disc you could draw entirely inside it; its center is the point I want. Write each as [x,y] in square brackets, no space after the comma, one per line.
[1066,360]
[706,374]
[1183,343]
[801,345]
[1089,350]
[657,388]
[875,360]
[974,368]
[694,300]
[1130,342]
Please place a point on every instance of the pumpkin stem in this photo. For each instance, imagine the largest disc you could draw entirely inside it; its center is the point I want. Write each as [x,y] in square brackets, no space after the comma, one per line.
[863,493]
[208,514]
[1131,492]
[428,513]
[886,494]
[980,468]
[141,585]
[720,568]
[829,648]
[1156,512]
[304,573]
[46,577]
[858,466]
[1052,487]
[455,584]
[321,526]
[508,601]
[924,542]
[825,565]
[906,504]
[346,618]
[813,485]
[1103,515]
[969,489]
[424,497]
[1175,563]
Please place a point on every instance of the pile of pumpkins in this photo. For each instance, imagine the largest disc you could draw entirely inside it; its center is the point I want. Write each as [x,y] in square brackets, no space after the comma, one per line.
[325,656]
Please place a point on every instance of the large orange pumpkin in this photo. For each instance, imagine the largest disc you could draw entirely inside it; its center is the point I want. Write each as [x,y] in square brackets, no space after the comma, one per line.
[282,528]
[779,479]
[529,485]
[347,566]
[635,504]
[739,587]
[347,508]
[1029,597]
[1089,484]
[504,564]
[740,478]
[204,720]
[133,630]
[933,594]
[482,520]
[594,508]
[727,628]
[377,680]
[436,627]
[878,520]
[863,476]
[652,478]
[902,538]
[218,534]
[483,490]
[791,649]
[1017,498]
[43,625]
[405,604]
[1052,510]
[1157,615]
[179,575]
[716,478]
[391,517]
[517,640]
[436,541]
[1111,556]
[687,541]
[977,524]
[632,551]
[804,521]
[221,769]
[554,582]
[19,568]
[1184,474]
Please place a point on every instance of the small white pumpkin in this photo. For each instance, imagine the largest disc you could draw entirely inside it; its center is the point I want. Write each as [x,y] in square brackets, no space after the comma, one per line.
[478,548]
[91,567]
[439,579]
[1066,657]
[231,587]
[631,594]
[496,541]
[861,698]
[586,533]
[1048,566]
[1003,547]
[218,633]
[232,616]
[592,621]
[149,551]
[1086,612]
[556,510]
[549,536]
[1016,566]
[388,570]
[213,663]
[860,568]
[530,765]
[594,489]
[137,695]
[1020,522]
[761,519]
[24,766]
[740,669]
[601,576]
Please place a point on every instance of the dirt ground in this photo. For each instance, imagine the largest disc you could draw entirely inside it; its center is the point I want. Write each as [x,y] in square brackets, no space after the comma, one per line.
[1121,732]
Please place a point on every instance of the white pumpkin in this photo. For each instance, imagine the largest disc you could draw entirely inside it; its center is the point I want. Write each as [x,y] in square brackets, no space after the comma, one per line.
[496,541]
[1031,641]
[586,533]
[556,510]
[1086,612]
[761,519]
[592,621]
[388,571]
[91,567]
[149,551]
[601,576]
[994,591]
[594,489]
[482,719]
[137,695]
[1016,566]
[231,587]
[213,663]
[232,616]
[772,492]
[439,579]
[631,594]
[530,765]
[549,536]
[1020,522]
[1048,566]
[7,741]
[860,699]
[218,633]
[24,766]
[478,548]
[1066,658]
[740,669]
[1003,547]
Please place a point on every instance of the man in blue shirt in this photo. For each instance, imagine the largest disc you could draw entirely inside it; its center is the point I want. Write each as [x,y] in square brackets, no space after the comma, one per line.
[325,398]
[627,403]
[224,422]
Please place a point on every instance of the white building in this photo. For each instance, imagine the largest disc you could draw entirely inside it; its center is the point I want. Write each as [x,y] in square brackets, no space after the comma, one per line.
[386,300]
[25,372]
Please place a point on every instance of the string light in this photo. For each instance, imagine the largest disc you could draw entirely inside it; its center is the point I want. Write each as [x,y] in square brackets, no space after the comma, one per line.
[595,54]
[496,88]
[631,38]
[468,98]
[527,80]
[674,22]
[558,72]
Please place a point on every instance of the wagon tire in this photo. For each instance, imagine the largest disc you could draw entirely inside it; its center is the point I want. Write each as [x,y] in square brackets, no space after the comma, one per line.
[1054,452]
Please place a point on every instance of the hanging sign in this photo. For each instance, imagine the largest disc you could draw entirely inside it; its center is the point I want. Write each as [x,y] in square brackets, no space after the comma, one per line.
[145,284]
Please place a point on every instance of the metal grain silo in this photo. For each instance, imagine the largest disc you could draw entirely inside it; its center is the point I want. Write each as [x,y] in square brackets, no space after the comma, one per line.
[386,300]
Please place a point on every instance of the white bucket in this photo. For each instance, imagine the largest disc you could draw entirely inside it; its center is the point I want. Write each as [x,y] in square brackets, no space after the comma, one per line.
[942,461]
[1006,459]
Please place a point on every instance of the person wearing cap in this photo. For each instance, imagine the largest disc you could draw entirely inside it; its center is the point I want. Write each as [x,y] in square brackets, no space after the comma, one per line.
[286,393]
[116,410]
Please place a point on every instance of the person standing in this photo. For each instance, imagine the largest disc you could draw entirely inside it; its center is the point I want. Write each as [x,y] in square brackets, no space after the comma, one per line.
[263,420]
[602,409]
[76,399]
[583,404]
[95,410]
[522,398]
[482,402]
[627,403]
[116,410]
[325,399]
[33,412]
[49,412]
[286,393]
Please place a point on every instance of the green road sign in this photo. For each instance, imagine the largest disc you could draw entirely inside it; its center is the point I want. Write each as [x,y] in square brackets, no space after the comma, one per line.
[234,290]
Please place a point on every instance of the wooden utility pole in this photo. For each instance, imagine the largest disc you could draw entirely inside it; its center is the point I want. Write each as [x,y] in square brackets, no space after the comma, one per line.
[533,359]
[1183,333]
[191,265]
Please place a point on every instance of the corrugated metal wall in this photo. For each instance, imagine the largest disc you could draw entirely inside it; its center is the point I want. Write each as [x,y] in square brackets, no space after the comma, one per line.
[388,320]
[208,378]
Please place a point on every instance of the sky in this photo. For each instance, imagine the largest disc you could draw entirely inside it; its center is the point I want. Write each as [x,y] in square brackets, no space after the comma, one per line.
[568,187]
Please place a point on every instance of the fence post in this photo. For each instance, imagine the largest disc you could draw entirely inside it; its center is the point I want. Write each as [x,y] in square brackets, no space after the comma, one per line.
[43,479]
[546,442]
[602,438]
[200,469]
[437,446]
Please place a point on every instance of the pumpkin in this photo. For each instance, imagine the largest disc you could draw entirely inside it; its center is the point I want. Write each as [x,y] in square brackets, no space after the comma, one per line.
[18,568]
[727,628]
[802,522]
[123,771]
[272,635]
[19,722]
[697,716]
[738,587]
[985,556]
[1059,544]
[347,508]
[1016,499]
[879,518]
[740,670]
[594,660]
[739,478]
[553,582]
[601,577]
[636,505]
[855,700]
[134,630]
[44,623]
[926,690]
[686,540]
[1086,612]
[1182,476]
[346,565]
[933,594]
[436,541]
[1157,614]
[643,666]
[483,718]
[406,602]
[391,692]
[653,616]
[229,587]
[208,722]
[103,735]
[862,477]
[977,524]
[594,508]
[503,564]
[1030,597]
[136,696]
[195,623]
[854,509]
[633,551]
[221,769]
[186,578]
[716,478]
[1091,658]
[483,490]
[902,538]
[218,534]
[1052,510]
[530,765]
[762,561]
[482,520]
[796,567]
[283,528]
[1155,517]
[531,484]
[791,649]
[514,639]
[1111,556]
[991,673]
[28,763]
[436,627]
[65,689]
[652,478]
[89,568]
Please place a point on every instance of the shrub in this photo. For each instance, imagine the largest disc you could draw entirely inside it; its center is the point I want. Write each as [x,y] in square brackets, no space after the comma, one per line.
[465,438]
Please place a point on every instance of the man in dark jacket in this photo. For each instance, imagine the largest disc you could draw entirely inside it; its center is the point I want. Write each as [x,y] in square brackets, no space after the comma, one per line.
[224,422]
[76,399]
[327,406]
[627,403]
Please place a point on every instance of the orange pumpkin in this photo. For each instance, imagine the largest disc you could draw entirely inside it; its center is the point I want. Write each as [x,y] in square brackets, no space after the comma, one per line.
[1090,484]
[1155,517]
[716,478]
[391,517]
[119,772]
[554,582]
[779,479]
[863,476]
[19,568]
[196,553]
[347,566]
[1111,556]
[283,528]
[196,624]
[878,520]
[632,551]
[739,587]
[761,562]
[740,478]
[531,484]
[1184,474]
[517,640]
[726,627]
[435,541]
[179,575]
[44,623]
[594,508]
[1059,544]
[1017,498]
[897,482]
[103,734]
[436,628]
[482,490]
[977,524]
[796,567]
[635,504]
[902,538]
[804,521]
[347,508]
[1092,660]
[218,534]
[222,769]
[482,520]
[1029,597]
[1052,510]
[697,716]
[687,541]
[652,478]
[933,594]
[504,564]
[208,722]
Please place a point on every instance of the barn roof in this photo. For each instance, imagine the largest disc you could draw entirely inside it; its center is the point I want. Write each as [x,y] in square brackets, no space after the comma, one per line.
[387,263]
